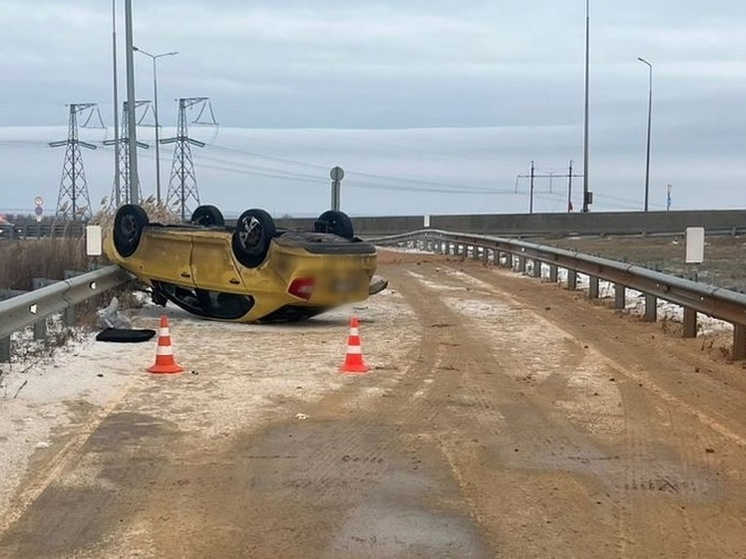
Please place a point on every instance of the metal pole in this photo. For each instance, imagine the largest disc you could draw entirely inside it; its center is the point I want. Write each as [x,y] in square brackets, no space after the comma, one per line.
[182,127]
[587,98]
[531,191]
[74,126]
[157,132]
[650,121]
[569,189]
[117,147]
[131,103]
[154,58]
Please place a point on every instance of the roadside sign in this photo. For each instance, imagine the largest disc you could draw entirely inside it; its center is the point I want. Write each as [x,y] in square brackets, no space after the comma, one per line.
[695,245]
[39,201]
[38,211]
[93,240]
[337,174]
[38,218]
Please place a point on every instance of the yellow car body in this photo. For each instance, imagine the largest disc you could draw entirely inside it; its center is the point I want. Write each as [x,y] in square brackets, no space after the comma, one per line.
[301,275]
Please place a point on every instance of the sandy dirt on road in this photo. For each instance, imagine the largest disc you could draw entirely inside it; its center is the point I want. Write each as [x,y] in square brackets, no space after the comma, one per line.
[503,417]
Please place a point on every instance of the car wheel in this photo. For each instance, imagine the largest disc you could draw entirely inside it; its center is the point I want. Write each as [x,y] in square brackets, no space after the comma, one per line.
[335,222]
[129,222]
[208,216]
[252,236]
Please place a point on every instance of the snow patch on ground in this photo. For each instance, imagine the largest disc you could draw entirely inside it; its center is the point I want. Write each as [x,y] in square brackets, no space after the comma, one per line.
[235,376]
[41,398]
[635,301]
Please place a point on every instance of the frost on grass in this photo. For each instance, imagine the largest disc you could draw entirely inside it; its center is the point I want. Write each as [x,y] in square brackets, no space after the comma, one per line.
[26,351]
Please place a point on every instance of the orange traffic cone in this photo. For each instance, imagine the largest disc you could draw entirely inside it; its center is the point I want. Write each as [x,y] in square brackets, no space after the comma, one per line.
[164,356]
[354,359]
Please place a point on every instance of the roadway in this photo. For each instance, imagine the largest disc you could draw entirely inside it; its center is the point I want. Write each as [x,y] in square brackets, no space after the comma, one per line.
[503,417]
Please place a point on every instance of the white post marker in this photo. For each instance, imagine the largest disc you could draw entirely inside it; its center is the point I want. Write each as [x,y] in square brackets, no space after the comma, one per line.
[93,240]
[695,245]
[427,222]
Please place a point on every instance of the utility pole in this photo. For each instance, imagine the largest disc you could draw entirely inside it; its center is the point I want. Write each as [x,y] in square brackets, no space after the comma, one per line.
[134,180]
[532,176]
[182,186]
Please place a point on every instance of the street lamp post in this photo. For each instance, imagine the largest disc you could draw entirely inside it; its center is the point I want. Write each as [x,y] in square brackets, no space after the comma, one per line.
[650,121]
[131,121]
[586,193]
[117,147]
[154,58]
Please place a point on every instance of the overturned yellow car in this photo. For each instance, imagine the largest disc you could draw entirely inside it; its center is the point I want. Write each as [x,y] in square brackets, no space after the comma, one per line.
[247,273]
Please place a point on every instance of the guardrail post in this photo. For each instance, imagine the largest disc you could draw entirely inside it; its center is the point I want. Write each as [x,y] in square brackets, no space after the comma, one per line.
[5,350]
[70,311]
[40,327]
[572,279]
[485,255]
[522,264]
[553,273]
[651,308]
[537,269]
[509,260]
[593,290]
[620,296]
[690,323]
[739,342]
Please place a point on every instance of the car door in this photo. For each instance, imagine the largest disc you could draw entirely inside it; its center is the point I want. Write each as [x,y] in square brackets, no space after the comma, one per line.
[166,255]
[212,264]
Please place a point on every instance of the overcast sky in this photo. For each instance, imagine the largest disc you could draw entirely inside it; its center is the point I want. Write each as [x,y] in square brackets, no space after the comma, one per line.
[430,106]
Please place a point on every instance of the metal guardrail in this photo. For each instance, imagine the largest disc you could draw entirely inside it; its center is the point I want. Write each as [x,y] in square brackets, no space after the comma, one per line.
[694,297]
[35,306]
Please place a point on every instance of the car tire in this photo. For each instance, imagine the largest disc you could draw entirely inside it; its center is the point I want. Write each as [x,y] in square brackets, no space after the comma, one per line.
[129,222]
[252,236]
[208,216]
[335,222]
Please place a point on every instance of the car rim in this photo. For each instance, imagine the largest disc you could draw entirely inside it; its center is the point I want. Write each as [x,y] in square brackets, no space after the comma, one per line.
[128,226]
[250,233]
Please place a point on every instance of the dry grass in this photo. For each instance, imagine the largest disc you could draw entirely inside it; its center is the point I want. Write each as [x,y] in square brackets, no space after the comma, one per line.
[21,261]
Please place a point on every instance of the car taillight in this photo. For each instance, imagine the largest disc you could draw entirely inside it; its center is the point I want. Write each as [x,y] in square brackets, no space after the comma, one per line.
[302,288]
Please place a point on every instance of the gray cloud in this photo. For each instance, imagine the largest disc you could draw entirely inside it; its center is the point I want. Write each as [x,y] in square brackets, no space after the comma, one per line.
[513,71]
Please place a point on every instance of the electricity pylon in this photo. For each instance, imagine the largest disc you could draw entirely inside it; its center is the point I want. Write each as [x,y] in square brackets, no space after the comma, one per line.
[73,200]
[123,166]
[183,194]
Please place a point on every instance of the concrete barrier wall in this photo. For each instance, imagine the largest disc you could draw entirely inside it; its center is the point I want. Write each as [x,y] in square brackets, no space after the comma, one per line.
[508,225]
[512,225]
